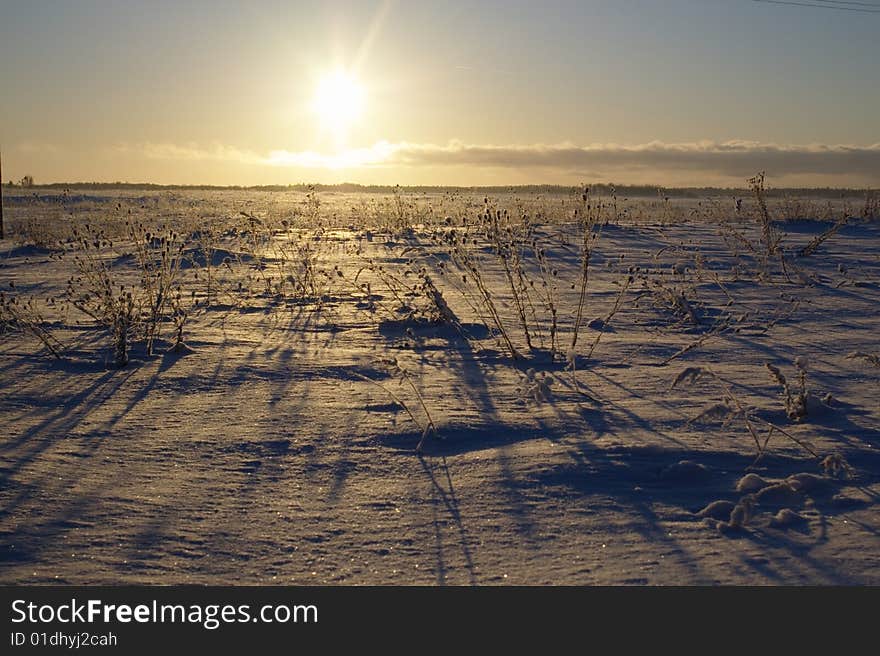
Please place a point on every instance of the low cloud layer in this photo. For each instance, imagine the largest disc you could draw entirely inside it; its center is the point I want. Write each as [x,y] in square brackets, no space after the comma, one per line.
[190,152]
[733,160]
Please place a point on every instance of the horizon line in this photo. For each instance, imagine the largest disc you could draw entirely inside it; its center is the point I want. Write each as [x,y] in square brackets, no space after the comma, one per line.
[374,188]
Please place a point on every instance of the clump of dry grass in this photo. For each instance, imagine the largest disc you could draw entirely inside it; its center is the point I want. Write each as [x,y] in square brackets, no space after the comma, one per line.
[94,292]
[677,301]
[460,247]
[837,466]
[794,399]
[768,247]
[427,426]
[128,309]
[732,408]
[122,319]
[512,244]
[770,237]
[821,238]
[587,218]
[159,257]
[179,316]
[870,358]
[41,232]
[507,239]
[871,207]
[439,312]
[24,315]
[535,386]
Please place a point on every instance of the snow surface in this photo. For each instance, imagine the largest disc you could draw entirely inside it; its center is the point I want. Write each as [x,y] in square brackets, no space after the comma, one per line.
[276,448]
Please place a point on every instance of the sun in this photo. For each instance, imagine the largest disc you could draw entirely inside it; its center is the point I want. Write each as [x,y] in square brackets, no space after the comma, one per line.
[338,103]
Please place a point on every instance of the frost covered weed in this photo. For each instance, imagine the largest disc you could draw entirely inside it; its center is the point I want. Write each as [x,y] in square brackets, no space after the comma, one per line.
[468,250]
[675,299]
[158,257]
[95,291]
[821,238]
[413,294]
[836,465]
[459,247]
[180,313]
[731,408]
[587,218]
[771,238]
[304,274]
[794,399]
[535,386]
[122,321]
[547,290]
[124,308]
[207,240]
[426,426]
[871,358]
[25,316]
[768,247]
[507,239]
[41,232]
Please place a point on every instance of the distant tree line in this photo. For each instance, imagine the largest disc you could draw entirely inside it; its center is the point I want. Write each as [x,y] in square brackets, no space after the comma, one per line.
[26,181]
[604,189]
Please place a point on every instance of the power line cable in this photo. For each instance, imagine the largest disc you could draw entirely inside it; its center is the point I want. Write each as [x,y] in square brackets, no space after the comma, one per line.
[837,6]
[842,2]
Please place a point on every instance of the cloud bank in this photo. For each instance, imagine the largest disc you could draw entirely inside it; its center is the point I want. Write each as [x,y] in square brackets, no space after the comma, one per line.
[705,159]
[732,158]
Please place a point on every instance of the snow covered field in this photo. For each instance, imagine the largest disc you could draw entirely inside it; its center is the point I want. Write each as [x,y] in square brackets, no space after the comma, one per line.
[590,385]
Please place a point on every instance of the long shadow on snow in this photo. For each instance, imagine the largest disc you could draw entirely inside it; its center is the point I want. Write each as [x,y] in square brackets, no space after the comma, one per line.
[644,481]
[466,361]
[443,498]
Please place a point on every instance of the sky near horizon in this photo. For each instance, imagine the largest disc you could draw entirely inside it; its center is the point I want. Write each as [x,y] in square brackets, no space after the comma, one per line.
[679,92]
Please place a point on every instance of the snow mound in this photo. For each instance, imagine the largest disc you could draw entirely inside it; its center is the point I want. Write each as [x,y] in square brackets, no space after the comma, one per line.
[805,482]
[717,510]
[786,518]
[685,471]
[751,483]
[779,493]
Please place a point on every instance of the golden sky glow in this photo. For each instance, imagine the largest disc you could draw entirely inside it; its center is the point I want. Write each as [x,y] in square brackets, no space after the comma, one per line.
[338,104]
[271,92]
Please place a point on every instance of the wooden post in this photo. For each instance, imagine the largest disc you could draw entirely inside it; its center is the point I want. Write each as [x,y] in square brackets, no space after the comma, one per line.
[2,233]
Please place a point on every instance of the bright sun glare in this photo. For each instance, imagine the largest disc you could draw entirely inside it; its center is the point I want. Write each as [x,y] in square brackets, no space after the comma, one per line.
[338,103]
